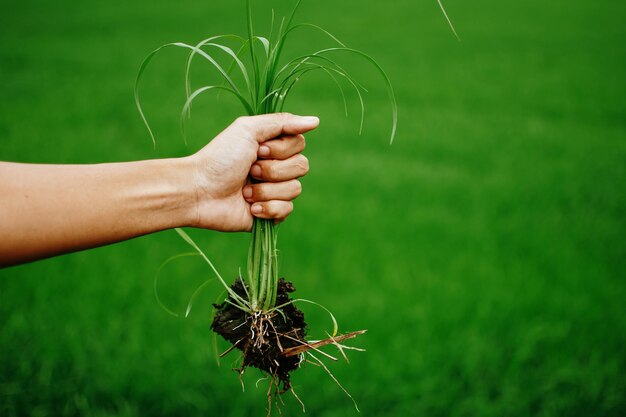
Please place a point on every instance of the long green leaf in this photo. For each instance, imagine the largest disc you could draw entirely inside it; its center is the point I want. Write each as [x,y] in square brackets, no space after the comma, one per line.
[195,294]
[240,301]
[311,25]
[294,65]
[286,87]
[443,10]
[199,45]
[253,57]
[229,51]
[265,43]
[275,57]
[156,280]
[390,92]
[186,108]
[147,60]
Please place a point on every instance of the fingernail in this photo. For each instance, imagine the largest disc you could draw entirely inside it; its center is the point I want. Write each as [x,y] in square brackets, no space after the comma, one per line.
[264,151]
[309,120]
[255,171]
[257,209]
[247,192]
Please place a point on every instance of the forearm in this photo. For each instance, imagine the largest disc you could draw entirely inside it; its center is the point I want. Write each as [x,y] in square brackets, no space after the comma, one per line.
[47,210]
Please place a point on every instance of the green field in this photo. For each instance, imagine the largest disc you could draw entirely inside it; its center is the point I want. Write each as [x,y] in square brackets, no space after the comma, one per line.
[485,250]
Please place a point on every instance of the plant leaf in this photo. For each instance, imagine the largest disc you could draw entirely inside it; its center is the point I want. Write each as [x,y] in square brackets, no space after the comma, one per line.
[443,10]
[329,71]
[266,44]
[195,294]
[242,303]
[229,51]
[156,279]
[390,92]
[147,60]
[186,108]
[311,25]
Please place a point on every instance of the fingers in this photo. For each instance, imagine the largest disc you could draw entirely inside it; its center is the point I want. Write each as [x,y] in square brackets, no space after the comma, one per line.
[266,191]
[270,126]
[282,148]
[275,209]
[276,170]
[272,200]
[280,143]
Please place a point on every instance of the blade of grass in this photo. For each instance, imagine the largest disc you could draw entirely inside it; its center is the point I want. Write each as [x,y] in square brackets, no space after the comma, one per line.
[147,60]
[287,87]
[295,64]
[242,303]
[275,57]
[199,45]
[232,54]
[265,43]
[311,25]
[390,92]
[186,108]
[195,294]
[443,10]
[156,280]
[253,57]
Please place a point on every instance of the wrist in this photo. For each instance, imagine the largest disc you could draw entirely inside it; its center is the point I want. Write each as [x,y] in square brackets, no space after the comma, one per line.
[175,192]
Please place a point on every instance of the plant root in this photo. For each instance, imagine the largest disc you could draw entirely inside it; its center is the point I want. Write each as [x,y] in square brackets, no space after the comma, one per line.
[274,341]
[263,337]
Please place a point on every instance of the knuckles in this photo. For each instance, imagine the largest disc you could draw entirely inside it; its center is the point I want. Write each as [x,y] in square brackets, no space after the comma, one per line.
[273,171]
[303,164]
[242,127]
[272,210]
[276,170]
[283,116]
[266,191]
[287,208]
[242,122]
[297,188]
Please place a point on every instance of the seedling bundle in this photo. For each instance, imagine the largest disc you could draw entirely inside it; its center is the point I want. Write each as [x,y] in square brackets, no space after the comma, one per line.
[258,315]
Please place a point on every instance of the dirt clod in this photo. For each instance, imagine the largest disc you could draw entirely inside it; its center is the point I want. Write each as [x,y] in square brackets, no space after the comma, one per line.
[263,337]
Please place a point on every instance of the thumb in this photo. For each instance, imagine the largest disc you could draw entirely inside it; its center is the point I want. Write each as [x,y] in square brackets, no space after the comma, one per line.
[270,126]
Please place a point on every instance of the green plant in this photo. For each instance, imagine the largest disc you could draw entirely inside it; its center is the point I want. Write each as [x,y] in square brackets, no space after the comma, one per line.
[257,77]
[266,86]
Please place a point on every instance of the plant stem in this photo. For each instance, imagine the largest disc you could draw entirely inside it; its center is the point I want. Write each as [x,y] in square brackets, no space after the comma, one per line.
[263,265]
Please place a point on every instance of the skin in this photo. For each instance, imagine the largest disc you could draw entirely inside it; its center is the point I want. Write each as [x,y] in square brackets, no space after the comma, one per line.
[48,210]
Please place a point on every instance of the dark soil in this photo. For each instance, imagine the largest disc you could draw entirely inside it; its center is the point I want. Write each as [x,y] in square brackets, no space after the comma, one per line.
[263,337]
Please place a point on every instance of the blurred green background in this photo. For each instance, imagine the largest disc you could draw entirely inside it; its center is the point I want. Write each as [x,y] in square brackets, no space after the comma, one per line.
[485,250]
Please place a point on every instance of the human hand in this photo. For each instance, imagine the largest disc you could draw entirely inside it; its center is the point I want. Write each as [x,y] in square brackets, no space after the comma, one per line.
[118,201]
[266,148]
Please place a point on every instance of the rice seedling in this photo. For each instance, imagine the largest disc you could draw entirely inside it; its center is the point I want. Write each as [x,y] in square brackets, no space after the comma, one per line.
[258,316]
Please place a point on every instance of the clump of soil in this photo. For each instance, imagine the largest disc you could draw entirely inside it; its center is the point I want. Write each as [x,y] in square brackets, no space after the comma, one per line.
[263,337]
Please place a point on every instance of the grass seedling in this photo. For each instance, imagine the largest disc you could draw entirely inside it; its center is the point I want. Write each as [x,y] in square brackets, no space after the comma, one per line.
[258,317]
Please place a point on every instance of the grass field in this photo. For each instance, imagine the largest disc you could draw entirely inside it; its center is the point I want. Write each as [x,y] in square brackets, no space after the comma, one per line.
[485,250]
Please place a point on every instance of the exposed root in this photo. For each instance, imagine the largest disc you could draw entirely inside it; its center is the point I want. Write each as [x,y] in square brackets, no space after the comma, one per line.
[335,379]
[299,400]
[263,337]
[274,341]
[296,350]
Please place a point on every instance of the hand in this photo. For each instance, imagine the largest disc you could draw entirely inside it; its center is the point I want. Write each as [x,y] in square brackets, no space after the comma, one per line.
[47,210]
[266,148]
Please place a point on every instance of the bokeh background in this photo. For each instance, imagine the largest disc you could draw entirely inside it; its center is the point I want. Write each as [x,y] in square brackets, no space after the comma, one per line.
[484,251]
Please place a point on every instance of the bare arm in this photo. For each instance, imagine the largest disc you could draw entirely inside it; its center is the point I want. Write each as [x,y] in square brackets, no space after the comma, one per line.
[46,210]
